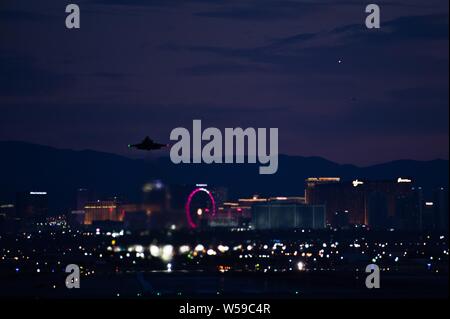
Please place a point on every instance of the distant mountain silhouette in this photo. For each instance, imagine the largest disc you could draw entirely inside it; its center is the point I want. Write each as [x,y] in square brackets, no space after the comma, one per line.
[25,166]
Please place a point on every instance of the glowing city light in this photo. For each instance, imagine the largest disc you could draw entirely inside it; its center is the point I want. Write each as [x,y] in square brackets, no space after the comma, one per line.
[167,253]
[223,249]
[357,182]
[154,251]
[199,247]
[184,249]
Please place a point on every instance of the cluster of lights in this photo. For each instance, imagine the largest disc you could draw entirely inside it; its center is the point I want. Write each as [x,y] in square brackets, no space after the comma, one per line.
[276,256]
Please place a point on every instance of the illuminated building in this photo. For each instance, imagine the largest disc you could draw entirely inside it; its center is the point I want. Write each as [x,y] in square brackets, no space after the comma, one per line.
[313,181]
[102,211]
[338,197]
[234,214]
[248,202]
[373,203]
[280,214]
[143,216]
[229,218]
[256,200]
[231,214]
[163,204]
[155,193]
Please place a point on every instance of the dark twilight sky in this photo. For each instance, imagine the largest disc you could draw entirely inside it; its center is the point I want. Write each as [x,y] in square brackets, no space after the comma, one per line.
[144,67]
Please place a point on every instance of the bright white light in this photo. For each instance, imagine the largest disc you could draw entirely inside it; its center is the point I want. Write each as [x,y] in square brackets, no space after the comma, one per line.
[154,251]
[199,212]
[169,267]
[139,249]
[184,249]
[357,182]
[167,253]
[223,249]
[199,247]
[211,252]
[300,266]
[249,247]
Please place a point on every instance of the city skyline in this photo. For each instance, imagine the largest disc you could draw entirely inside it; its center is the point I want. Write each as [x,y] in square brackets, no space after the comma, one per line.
[219,157]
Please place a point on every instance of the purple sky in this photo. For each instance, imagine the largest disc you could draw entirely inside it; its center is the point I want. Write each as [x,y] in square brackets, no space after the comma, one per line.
[144,67]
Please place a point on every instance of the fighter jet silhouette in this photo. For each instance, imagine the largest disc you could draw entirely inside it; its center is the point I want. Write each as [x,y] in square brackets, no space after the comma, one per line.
[147,145]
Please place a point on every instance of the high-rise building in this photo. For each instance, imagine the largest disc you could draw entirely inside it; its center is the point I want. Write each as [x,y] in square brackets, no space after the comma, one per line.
[338,197]
[231,214]
[159,203]
[101,211]
[284,215]
[372,203]
[409,210]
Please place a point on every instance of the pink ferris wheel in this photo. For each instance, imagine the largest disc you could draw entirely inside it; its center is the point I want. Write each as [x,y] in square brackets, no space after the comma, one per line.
[190,220]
